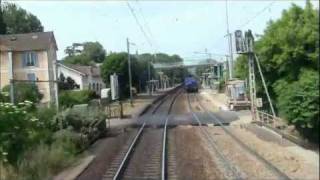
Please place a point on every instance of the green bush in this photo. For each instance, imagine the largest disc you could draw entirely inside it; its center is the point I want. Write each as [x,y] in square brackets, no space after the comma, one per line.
[70,98]
[17,129]
[89,122]
[25,92]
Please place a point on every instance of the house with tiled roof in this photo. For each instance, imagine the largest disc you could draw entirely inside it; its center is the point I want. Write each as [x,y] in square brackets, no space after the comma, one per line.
[86,77]
[30,58]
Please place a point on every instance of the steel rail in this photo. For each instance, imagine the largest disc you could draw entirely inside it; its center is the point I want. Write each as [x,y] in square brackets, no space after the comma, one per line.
[164,141]
[268,164]
[122,165]
[230,167]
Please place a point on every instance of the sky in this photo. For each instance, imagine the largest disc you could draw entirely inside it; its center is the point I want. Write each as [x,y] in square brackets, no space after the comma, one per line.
[185,28]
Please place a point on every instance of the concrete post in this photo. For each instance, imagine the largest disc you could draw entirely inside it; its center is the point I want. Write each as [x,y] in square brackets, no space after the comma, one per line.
[10,68]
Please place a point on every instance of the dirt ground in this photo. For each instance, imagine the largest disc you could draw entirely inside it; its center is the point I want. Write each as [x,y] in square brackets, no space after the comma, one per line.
[295,161]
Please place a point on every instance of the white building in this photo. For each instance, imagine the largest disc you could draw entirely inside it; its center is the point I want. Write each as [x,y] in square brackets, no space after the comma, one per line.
[86,77]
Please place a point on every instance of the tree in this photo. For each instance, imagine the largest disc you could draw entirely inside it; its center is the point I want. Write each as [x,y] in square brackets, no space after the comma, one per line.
[3,26]
[143,65]
[118,63]
[67,83]
[176,74]
[18,20]
[289,52]
[92,52]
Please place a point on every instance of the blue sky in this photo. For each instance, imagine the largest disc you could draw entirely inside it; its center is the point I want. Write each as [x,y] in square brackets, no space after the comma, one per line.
[177,27]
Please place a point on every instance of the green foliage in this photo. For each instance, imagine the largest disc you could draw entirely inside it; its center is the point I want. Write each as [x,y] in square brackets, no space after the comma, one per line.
[165,58]
[78,59]
[289,52]
[3,26]
[175,75]
[18,128]
[118,63]
[298,102]
[25,92]
[18,20]
[241,67]
[69,98]
[67,83]
[93,52]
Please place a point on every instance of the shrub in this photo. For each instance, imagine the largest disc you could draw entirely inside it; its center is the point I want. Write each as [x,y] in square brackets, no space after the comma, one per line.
[89,122]
[25,92]
[70,98]
[17,128]
[46,160]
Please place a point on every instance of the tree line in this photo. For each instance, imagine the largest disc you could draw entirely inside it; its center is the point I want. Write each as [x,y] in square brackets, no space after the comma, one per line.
[92,53]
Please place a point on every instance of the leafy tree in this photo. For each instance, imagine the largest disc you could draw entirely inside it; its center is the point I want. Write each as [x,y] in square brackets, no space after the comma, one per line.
[289,52]
[78,59]
[3,26]
[92,52]
[299,102]
[18,20]
[165,58]
[67,83]
[175,74]
[95,51]
[118,63]
[143,63]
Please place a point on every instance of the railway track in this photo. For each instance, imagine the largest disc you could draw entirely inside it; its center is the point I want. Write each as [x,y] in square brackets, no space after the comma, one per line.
[145,154]
[233,170]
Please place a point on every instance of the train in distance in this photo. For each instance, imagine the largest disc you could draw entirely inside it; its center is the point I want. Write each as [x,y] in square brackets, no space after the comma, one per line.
[191,84]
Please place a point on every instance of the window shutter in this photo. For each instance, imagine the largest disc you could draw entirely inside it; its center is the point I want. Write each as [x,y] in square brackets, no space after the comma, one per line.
[35,57]
[24,59]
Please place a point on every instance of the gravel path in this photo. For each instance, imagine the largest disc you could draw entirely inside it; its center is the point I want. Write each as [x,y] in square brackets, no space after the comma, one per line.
[193,159]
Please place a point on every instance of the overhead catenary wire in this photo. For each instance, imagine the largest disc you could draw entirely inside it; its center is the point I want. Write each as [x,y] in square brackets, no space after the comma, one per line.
[139,25]
[251,19]
[147,24]
[256,15]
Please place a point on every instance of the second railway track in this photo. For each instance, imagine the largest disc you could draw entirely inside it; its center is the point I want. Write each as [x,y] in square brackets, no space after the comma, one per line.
[233,172]
[144,156]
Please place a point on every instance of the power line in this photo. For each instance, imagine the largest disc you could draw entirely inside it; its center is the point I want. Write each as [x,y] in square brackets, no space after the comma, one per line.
[257,14]
[139,24]
[146,23]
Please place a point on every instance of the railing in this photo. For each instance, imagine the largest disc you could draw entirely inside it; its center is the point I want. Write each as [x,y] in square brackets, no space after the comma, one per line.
[278,125]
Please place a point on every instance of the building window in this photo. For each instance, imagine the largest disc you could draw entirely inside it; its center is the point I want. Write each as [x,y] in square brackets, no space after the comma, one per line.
[93,86]
[30,59]
[89,86]
[31,77]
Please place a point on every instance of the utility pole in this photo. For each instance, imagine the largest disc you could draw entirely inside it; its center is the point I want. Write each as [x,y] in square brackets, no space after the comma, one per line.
[229,43]
[129,69]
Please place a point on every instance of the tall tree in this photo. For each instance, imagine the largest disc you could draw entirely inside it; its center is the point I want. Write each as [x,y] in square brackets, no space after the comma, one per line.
[118,63]
[94,51]
[3,27]
[18,20]
[289,53]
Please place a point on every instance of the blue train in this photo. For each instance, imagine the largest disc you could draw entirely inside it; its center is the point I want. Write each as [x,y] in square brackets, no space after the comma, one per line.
[191,84]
